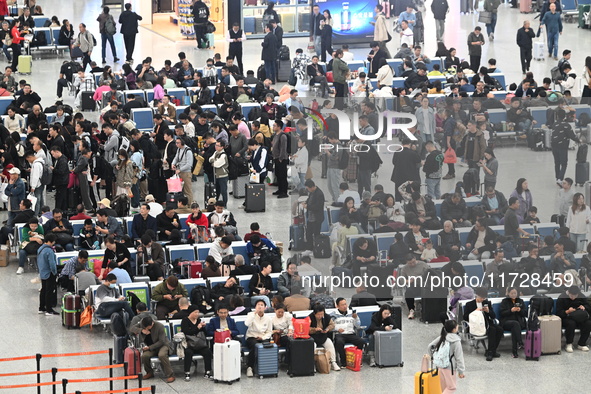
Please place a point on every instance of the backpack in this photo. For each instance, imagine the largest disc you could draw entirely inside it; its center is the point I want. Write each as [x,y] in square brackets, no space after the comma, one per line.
[441,356]
[120,204]
[267,18]
[284,52]
[254,114]
[93,40]
[123,143]
[533,323]
[344,160]
[542,305]
[110,27]
[375,163]
[555,74]
[39,40]
[261,74]
[201,296]
[210,28]
[94,145]
[119,323]
[477,323]
[46,175]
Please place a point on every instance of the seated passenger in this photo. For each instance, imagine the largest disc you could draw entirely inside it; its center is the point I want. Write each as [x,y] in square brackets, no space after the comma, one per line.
[167,295]
[221,248]
[411,270]
[195,333]
[62,229]
[168,221]
[31,241]
[321,325]
[242,269]
[513,314]
[211,269]
[296,301]
[282,325]
[573,308]
[260,285]
[494,332]
[107,225]
[222,321]
[117,252]
[108,300]
[364,253]
[289,280]
[152,334]
[141,311]
[260,328]
[345,327]
[481,241]
[381,320]
[150,256]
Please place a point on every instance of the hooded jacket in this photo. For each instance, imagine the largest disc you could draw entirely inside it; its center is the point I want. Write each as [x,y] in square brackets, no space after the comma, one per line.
[455,351]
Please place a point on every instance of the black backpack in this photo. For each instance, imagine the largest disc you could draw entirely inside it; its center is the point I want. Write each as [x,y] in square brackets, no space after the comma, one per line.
[254,114]
[119,323]
[322,247]
[120,205]
[542,305]
[201,297]
[261,74]
[343,160]
[284,52]
[533,323]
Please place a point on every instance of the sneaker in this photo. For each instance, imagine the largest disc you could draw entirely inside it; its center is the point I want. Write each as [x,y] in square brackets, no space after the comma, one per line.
[514,354]
[411,314]
[489,357]
[104,61]
[187,377]
[449,176]
[249,372]
[569,348]
[555,57]
[116,59]
[583,348]
[559,182]
[283,196]
[335,366]
[51,313]
[20,271]
[36,280]
[372,361]
[241,207]
[208,375]
[41,311]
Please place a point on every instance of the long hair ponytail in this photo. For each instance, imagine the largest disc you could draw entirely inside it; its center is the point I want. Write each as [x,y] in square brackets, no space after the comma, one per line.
[447,328]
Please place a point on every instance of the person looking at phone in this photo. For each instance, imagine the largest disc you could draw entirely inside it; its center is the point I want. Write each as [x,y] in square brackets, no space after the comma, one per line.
[382,320]
[321,325]
[513,314]
[493,330]
[346,326]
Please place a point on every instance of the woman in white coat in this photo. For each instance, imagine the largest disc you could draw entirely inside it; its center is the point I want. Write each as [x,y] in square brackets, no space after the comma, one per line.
[577,221]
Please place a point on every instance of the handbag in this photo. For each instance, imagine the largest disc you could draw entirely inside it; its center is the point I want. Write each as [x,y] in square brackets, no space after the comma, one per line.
[322,360]
[354,356]
[219,336]
[301,328]
[311,46]
[485,17]
[579,316]
[73,180]
[228,260]
[309,174]
[175,184]
[3,195]
[31,197]
[254,177]
[196,341]
[389,37]
[86,316]
[199,166]
[450,156]
[276,337]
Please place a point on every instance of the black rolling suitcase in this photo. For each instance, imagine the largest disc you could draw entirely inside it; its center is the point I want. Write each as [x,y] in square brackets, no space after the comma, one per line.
[119,346]
[254,197]
[581,173]
[381,271]
[324,159]
[433,298]
[74,196]
[301,357]
[283,70]
[172,199]
[87,101]
[322,248]
[209,192]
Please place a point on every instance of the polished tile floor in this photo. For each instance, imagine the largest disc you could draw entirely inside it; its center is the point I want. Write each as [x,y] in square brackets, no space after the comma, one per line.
[26,333]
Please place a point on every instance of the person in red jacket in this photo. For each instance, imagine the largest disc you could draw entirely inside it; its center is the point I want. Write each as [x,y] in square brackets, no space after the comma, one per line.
[198,224]
[16,41]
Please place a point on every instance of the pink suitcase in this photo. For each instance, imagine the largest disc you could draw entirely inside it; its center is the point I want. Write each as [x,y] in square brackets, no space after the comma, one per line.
[533,345]
[525,6]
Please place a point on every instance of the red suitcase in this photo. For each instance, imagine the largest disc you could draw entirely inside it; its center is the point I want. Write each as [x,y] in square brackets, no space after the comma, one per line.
[533,345]
[191,269]
[133,360]
[71,310]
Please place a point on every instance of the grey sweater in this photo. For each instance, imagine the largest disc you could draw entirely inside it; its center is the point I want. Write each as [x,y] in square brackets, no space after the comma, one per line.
[455,350]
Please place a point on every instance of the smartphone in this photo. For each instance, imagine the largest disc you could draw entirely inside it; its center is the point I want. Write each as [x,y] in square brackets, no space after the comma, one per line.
[354,310]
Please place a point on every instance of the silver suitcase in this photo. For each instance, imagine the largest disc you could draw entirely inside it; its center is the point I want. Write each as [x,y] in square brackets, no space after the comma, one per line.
[388,348]
[547,138]
[238,186]
[226,362]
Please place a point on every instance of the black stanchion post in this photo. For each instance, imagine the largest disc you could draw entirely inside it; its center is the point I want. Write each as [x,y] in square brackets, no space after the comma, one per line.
[153,389]
[110,356]
[53,379]
[38,359]
[140,378]
[64,385]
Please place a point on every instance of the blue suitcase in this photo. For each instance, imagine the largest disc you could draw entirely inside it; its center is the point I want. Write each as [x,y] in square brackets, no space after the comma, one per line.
[267,361]
[297,239]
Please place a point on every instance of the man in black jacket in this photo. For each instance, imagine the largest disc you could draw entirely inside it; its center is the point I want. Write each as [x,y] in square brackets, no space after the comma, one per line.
[369,162]
[315,206]
[129,24]
[200,19]
[481,241]
[571,307]
[61,173]
[562,132]
[525,36]
[269,53]
[454,208]
[439,9]
[415,79]
[432,169]
[315,31]
[375,56]
[493,330]
[495,204]
[168,221]
[278,31]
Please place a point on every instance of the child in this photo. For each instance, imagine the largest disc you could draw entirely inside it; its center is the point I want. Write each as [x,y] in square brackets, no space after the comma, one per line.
[448,356]
[88,237]
[441,258]
[532,216]
[428,253]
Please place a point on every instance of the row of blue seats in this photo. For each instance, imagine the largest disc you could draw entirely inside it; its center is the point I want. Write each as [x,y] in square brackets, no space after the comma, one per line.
[496,116]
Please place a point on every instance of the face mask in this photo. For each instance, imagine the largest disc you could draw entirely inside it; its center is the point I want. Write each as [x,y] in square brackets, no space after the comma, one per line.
[113,285]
